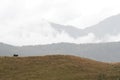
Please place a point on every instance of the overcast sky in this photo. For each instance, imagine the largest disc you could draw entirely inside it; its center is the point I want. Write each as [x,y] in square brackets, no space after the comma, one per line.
[19,17]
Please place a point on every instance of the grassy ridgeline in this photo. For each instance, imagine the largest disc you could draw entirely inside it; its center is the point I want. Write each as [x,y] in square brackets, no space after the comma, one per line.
[56,67]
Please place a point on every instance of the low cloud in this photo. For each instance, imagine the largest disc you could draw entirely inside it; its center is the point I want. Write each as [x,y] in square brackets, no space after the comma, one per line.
[43,33]
[22,22]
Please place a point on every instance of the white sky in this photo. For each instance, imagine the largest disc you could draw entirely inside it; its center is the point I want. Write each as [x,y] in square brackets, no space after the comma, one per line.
[79,13]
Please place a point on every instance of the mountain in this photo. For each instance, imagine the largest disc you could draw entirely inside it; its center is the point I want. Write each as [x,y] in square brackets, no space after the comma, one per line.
[108,52]
[6,50]
[101,52]
[47,32]
[107,27]
[56,67]
[71,30]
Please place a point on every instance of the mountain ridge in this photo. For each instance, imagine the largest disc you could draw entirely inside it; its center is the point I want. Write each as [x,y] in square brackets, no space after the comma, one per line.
[106,52]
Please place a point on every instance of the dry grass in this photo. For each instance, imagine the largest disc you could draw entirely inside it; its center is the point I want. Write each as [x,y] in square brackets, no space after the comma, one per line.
[56,67]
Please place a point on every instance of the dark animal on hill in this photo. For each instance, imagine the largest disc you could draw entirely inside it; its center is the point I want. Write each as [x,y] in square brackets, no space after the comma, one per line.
[15,55]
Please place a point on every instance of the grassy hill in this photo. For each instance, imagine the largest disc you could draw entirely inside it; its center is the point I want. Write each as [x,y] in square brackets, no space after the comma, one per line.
[57,67]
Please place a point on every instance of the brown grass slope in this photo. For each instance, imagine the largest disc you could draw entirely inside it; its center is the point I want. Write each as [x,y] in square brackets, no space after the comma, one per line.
[56,67]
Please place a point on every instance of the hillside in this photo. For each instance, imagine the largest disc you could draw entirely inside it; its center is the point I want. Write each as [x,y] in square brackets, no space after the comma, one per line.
[56,67]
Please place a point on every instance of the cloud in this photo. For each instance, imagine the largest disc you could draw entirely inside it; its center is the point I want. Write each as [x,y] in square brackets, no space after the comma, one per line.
[71,12]
[34,35]
[112,38]
[22,21]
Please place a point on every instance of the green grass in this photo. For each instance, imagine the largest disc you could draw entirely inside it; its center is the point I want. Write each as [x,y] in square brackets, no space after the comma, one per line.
[56,67]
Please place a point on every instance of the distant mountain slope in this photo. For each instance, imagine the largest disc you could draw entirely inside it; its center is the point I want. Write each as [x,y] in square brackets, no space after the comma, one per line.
[70,30]
[102,51]
[6,50]
[109,26]
[56,67]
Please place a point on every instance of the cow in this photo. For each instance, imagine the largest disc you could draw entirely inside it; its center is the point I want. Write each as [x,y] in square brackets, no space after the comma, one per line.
[15,55]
